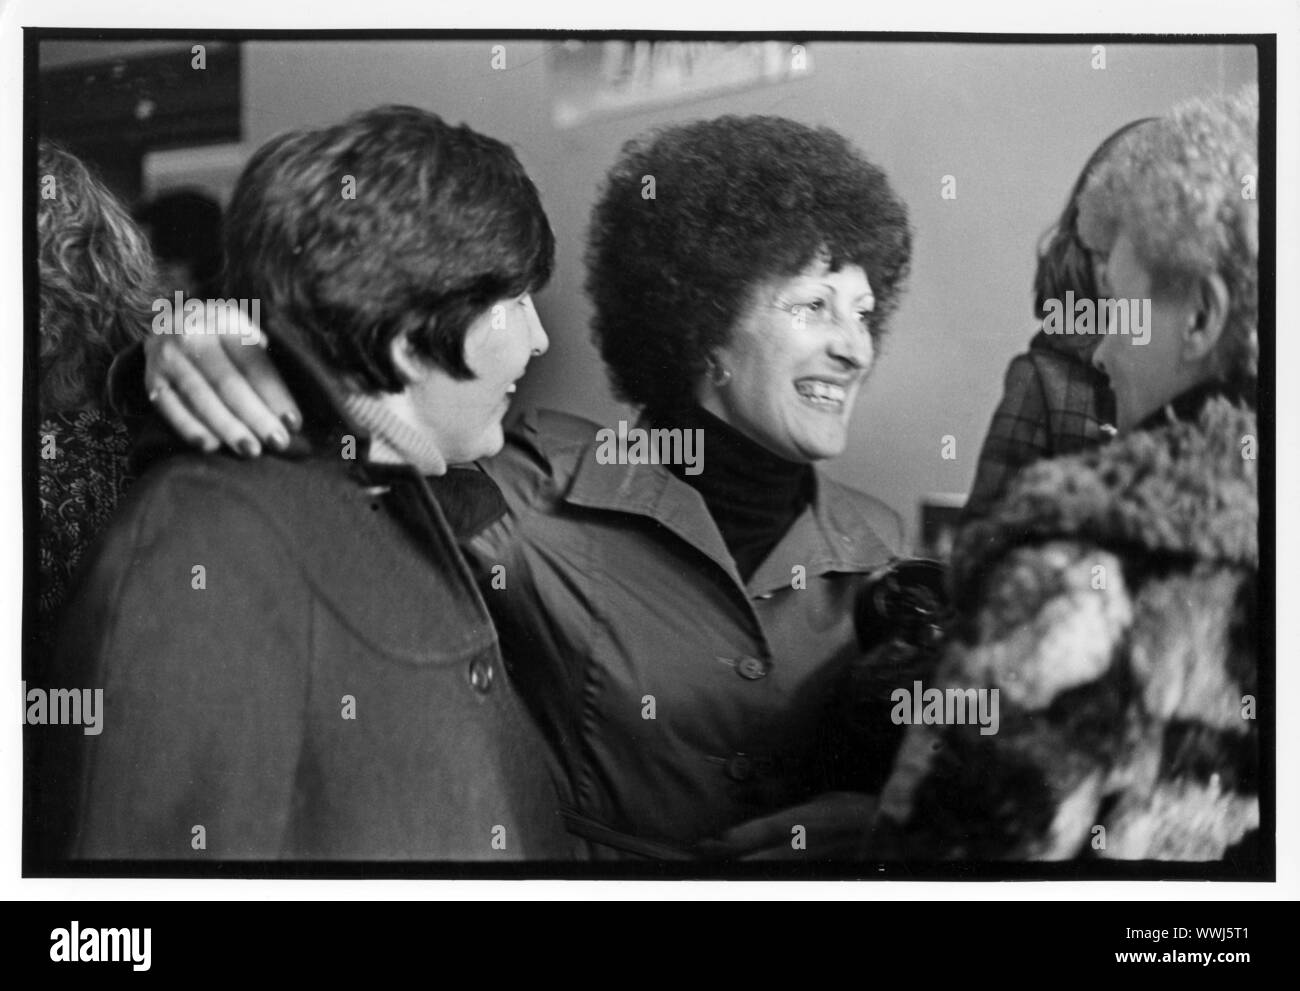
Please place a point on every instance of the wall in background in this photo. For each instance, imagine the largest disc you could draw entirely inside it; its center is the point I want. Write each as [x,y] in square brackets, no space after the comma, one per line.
[1013,124]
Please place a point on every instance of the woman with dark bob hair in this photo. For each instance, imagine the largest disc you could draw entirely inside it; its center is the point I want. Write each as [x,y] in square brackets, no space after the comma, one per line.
[295,660]
[678,623]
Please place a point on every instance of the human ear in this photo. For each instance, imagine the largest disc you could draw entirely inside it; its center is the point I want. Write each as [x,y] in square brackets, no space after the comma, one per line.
[1208,318]
[411,368]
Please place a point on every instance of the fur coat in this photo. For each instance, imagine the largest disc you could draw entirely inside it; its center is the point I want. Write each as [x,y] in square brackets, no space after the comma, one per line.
[1110,599]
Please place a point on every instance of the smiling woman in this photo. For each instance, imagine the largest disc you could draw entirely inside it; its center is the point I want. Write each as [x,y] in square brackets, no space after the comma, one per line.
[748,212]
[797,359]
[679,634]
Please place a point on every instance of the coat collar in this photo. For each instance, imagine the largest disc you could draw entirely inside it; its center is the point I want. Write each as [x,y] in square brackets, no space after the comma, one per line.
[828,536]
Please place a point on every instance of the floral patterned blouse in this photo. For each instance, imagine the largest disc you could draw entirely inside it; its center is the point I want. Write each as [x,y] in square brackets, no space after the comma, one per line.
[82,458]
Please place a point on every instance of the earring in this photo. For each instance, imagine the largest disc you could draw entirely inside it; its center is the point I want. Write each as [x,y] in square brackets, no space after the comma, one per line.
[718,375]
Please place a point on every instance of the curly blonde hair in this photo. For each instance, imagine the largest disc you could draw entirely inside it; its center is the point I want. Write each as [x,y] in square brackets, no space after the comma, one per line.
[97,281]
[1183,188]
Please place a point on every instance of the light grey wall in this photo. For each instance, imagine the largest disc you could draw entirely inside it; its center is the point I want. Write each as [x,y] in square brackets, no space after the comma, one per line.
[1013,124]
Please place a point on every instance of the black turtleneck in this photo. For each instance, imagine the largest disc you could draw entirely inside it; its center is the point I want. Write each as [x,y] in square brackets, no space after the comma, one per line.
[752,495]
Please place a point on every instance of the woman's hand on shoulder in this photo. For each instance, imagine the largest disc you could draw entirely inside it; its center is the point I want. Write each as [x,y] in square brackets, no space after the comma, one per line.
[216,389]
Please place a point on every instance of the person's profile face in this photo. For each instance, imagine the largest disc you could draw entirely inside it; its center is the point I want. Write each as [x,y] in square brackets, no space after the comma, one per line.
[1143,376]
[798,357]
[465,416]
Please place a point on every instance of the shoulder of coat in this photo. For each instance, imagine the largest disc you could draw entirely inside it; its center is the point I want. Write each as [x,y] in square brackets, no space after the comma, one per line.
[551,429]
[225,508]
[558,430]
[852,508]
[541,445]
[279,489]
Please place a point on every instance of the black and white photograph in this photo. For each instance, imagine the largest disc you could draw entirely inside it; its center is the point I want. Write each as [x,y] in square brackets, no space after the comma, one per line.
[561,453]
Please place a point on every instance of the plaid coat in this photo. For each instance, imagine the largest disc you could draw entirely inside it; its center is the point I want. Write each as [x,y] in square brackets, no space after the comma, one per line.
[1054,402]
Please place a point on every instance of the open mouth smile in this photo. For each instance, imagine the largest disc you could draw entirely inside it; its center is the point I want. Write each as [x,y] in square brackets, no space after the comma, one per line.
[823,395]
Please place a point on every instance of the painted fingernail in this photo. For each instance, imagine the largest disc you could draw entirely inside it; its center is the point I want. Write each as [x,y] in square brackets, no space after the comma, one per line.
[250,448]
[291,420]
[279,439]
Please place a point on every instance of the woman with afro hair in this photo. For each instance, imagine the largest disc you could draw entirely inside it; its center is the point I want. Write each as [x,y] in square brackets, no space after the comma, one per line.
[678,629]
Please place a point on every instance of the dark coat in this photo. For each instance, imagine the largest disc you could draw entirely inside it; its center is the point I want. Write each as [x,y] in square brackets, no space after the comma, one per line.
[1110,599]
[680,699]
[329,587]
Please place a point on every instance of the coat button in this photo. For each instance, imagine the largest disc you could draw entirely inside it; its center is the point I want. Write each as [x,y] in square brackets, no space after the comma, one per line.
[480,675]
[752,668]
[740,768]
